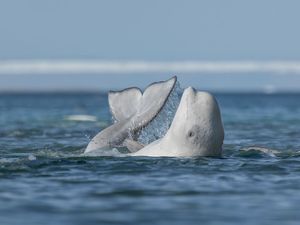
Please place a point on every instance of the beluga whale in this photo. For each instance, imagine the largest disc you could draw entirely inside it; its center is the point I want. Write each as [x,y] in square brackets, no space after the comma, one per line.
[132,111]
[196,130]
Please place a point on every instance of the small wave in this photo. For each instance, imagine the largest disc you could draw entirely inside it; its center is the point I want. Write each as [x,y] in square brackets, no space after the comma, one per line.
[83,118]
[261,152]
[257,152]
[104,152]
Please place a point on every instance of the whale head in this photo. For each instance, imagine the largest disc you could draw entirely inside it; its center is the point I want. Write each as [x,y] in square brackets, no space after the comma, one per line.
[197,128]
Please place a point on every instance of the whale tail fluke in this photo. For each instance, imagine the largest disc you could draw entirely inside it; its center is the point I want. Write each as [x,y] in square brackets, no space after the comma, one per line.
[132,111]
[142,108]
[124,104]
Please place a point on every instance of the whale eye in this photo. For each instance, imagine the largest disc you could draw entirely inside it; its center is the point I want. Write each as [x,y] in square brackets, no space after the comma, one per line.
[191,134]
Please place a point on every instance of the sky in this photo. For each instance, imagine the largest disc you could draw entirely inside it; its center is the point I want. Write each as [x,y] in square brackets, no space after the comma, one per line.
[157,31]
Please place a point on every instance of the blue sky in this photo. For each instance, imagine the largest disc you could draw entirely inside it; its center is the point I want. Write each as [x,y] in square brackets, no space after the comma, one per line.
[160,31]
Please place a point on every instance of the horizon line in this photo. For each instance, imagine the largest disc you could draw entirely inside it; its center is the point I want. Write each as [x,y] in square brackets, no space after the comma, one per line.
[69,66]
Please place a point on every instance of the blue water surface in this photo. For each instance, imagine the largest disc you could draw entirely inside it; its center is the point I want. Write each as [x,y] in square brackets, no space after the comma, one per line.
[44,179]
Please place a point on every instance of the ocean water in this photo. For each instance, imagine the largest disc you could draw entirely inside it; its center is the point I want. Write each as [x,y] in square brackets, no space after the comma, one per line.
[44,179]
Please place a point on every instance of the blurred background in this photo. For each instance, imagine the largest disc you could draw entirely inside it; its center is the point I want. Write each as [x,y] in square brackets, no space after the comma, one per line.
[232,46]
